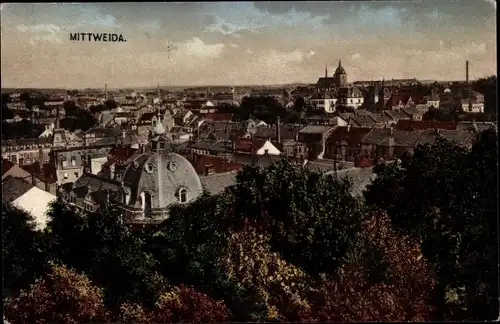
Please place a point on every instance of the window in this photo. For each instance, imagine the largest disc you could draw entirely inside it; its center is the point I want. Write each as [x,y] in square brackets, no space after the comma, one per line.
[76,174]
[64,162]
[65,175]
[147,202]
[183,195]
[73,161]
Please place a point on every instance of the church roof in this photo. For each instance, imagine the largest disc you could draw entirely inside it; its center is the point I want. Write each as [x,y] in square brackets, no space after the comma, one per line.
[340,69]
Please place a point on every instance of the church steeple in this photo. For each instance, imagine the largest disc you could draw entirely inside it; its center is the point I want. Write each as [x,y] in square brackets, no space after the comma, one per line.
[340,64]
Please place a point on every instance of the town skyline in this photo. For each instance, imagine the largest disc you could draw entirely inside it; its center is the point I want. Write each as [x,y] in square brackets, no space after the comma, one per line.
[242,44]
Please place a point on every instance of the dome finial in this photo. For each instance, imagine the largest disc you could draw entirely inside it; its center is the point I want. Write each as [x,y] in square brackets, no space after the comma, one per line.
[159,129]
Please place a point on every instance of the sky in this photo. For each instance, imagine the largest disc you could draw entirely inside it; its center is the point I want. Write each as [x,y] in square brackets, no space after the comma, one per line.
[245,43]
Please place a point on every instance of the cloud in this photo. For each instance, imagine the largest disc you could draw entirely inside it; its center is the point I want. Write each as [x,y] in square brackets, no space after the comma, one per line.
[249,51]
[150,25]
[448,55]
[196,48]
[356,56]
[234,45]
[232,18]
[493,3]
[387,15]
[274,58]
[42,32]
[90,15]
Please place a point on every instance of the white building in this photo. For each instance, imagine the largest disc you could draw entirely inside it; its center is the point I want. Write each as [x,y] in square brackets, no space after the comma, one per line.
[324,102]
[475,107]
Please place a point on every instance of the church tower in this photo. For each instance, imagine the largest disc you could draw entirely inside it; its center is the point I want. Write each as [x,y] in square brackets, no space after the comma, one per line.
[340,76]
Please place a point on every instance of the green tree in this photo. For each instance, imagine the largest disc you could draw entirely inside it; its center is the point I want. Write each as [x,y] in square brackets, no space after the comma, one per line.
[62,296]
[65,237]
[312,218]
[186,305]
[23,254]
[435,197]
[479,250]
[102,245]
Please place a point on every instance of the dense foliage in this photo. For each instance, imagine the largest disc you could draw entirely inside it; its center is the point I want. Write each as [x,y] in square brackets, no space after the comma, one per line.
[445,195]
[284,244]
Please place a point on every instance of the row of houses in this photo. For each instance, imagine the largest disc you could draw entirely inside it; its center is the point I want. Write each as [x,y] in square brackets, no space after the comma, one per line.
[376,99]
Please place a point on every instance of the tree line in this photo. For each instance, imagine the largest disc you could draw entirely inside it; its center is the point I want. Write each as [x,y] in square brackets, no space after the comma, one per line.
[284,244]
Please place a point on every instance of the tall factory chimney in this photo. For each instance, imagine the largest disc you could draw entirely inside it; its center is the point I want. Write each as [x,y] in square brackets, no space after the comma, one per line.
[467,71]
[106,92]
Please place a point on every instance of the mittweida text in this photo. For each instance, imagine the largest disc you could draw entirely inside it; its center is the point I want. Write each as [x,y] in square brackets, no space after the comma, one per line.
[96,37]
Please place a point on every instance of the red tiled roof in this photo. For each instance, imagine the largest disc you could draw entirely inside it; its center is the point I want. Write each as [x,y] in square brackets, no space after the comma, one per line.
[352,137]
[6,166]
[422,125]
[248,145]
[219,164]
[46,173]
[397,97]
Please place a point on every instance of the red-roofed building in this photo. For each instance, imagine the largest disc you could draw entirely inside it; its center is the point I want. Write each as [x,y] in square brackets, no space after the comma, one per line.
[403,124]
[400,101]
[344,143]
[6,167]
[42,177]
[255,146]
[209,164]
[116,164]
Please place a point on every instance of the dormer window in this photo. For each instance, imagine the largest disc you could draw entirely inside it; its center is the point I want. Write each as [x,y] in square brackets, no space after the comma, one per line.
[183,195]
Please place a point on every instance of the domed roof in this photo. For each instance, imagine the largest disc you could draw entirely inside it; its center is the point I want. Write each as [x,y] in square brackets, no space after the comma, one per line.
[162,175]
[340,69]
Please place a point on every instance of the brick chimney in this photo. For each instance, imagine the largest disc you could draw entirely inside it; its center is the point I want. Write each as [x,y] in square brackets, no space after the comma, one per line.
[466,71]
[209,169]
[33,178]
[278,130]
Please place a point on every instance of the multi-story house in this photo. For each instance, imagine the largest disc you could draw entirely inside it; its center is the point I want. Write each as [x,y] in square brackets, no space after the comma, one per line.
[351,97]
[324,102]
[27,150]
[344,144]
[70,162]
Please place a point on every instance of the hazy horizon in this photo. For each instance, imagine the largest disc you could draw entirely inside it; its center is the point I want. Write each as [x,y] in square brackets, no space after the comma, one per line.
[244,43]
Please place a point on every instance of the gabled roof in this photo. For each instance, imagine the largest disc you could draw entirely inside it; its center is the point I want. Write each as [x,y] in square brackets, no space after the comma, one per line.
[349,135]
[219,164]
[399,97]
[363,120]
[248,145]
[315,129]
[6,166]
[13,188]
